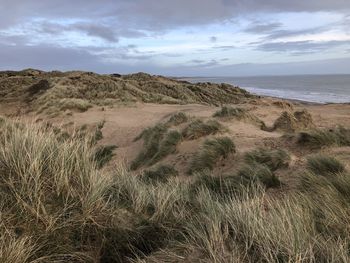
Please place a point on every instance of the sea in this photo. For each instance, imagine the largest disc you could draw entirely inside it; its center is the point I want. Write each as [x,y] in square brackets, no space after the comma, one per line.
[310,88]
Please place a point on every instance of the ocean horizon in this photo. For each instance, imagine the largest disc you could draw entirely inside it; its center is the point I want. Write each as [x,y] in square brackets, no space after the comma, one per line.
[310,88]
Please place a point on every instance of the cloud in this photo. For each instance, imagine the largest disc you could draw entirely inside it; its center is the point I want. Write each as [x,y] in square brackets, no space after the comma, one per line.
[45,57]
[275,30]
[60,33]
[213,39]
[58,58]
[155,15]
[302,47]
[204,63]
[105,32]
[224,48]
[291,33]
[261,28]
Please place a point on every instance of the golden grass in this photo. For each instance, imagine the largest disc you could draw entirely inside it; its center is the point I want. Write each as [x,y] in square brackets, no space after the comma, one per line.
[56,206]
[50,92]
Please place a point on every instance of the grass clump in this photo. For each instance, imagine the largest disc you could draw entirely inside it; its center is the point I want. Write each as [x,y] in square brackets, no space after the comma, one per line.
[98,135]
[167,146]
[74,104]
[220,186]
[210,153]
[257,173]
[318,138]
[56,206]
[151,139]
[324,165]
[103,154]
[230,112]
[53,203]
[198,128]
[177,119]
[162,173]
[273,159]
[158,143]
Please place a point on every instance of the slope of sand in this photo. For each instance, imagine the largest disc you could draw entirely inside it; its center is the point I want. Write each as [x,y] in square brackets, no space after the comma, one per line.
[62,97]
[124,123]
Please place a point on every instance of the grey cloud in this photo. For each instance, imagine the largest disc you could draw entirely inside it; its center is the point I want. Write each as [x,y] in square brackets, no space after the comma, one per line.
[197,61]
[213,39]
[106,32]
[155,14]
[224,48]
[13,40]
[289,33]
[301,47]
[275,30]
[204,63]
[44,57]
[49,58]
[58,58]
[103,32]
[95,30]
[259,28]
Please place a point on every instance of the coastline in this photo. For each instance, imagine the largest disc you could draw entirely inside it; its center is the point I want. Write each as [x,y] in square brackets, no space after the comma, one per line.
[306,89]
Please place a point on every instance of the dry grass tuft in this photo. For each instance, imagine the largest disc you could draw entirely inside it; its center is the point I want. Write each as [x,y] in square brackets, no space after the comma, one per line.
[56,206]
[210,153]
[324,165]
[318,138]
[291,122]
[273,159]
[198,128]
[158,143]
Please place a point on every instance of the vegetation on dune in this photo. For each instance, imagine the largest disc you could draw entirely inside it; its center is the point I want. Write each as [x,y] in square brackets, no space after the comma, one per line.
[103,154]
[158,143]
[177,119]
[56,206]
[318,138]
[210,153]
[257,173]
[198,128]
[238,114]
[222,187]
[167,145]
[151,140]
[49,92]
[291,122]
[324,165]
[230,112]
[74,104]
[273,159]
[161,173]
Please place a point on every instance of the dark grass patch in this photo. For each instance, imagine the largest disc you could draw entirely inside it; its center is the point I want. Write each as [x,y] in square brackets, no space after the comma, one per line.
[273,159]
[167,146]
[318,138]
[258,173]
[177,119]
[221,186]
[103,155]
[39,87]
[210,153]
[160,174]
[230,112]
[324,165]
[198,128]
[158,143]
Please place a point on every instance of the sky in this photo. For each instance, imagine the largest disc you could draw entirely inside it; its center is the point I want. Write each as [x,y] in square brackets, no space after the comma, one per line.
[177,37]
